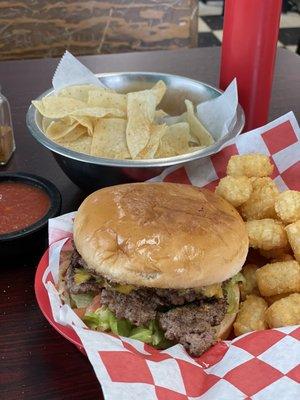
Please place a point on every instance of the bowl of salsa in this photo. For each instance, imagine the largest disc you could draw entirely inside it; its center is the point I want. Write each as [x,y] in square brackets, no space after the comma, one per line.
[26,203]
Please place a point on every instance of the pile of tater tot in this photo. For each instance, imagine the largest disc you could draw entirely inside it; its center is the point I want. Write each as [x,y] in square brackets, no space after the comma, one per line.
[271,291]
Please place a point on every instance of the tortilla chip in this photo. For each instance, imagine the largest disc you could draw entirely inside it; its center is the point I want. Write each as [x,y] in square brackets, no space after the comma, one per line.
[81,145]
[159,116]
[91,119]
[140,113]
[97,112]
[171,120]
[79,92]
[176,140]
[87,122]
[198,131]
[157,132]
[159,90]
[55,107]
[45,123]
[196,148]
[75,134]
[65,129]
[109,139]
[60,128]
[107,100]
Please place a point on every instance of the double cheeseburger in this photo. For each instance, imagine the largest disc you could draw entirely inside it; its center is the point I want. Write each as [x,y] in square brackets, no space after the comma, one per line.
[158,262]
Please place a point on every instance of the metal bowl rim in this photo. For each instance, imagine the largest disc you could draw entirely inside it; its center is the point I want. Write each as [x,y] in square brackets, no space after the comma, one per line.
[38,134]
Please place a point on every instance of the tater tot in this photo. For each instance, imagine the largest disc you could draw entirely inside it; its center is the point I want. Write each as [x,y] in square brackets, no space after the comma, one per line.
[283,257]
[293,234]
[280,254]
[261,203]
[250,284]
[250,165]
[284,312]
[251,316]
[278,278]
[271,299]
[287,206]
[266,234]
[236,190]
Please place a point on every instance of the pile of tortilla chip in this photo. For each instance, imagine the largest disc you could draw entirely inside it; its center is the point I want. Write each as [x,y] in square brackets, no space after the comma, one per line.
[103,123]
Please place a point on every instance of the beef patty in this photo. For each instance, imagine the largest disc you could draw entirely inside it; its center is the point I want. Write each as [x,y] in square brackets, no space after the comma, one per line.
[164,297]
[185,316]
[86,287]
[194,325]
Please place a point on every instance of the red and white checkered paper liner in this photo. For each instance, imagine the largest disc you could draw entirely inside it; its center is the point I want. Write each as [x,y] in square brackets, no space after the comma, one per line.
[258,365]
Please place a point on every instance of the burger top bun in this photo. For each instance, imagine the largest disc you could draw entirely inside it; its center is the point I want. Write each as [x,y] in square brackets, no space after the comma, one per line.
[161,235]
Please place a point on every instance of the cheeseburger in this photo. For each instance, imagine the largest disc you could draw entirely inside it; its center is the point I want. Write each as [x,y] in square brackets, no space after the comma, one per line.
[158,262]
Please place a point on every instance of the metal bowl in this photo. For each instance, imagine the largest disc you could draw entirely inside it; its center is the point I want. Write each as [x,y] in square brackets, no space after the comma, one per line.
[91,173]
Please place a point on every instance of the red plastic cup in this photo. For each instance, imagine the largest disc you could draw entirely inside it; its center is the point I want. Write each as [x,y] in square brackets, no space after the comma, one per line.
[248,53]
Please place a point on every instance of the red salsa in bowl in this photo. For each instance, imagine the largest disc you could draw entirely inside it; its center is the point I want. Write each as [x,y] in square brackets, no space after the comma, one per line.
[27,202]
[21,205]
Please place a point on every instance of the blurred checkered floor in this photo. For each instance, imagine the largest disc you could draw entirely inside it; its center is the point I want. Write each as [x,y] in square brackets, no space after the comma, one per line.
[211,24]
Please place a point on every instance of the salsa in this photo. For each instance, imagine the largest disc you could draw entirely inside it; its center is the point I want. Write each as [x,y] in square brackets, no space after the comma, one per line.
[21,205]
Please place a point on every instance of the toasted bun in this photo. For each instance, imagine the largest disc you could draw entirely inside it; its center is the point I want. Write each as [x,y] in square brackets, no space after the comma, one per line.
[162,235]
[225,327]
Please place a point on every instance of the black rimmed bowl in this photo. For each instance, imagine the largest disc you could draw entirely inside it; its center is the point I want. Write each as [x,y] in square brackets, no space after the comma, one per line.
[27,244]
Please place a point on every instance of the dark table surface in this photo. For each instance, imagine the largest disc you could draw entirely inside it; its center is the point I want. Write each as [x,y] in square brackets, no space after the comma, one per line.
[36,362]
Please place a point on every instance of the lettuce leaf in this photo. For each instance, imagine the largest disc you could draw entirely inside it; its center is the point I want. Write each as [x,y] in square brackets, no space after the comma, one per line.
[153,335]
[91,320]
[82,300]
[158,338]
[142,334]
[120,327]
[104,320]
[98,320]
